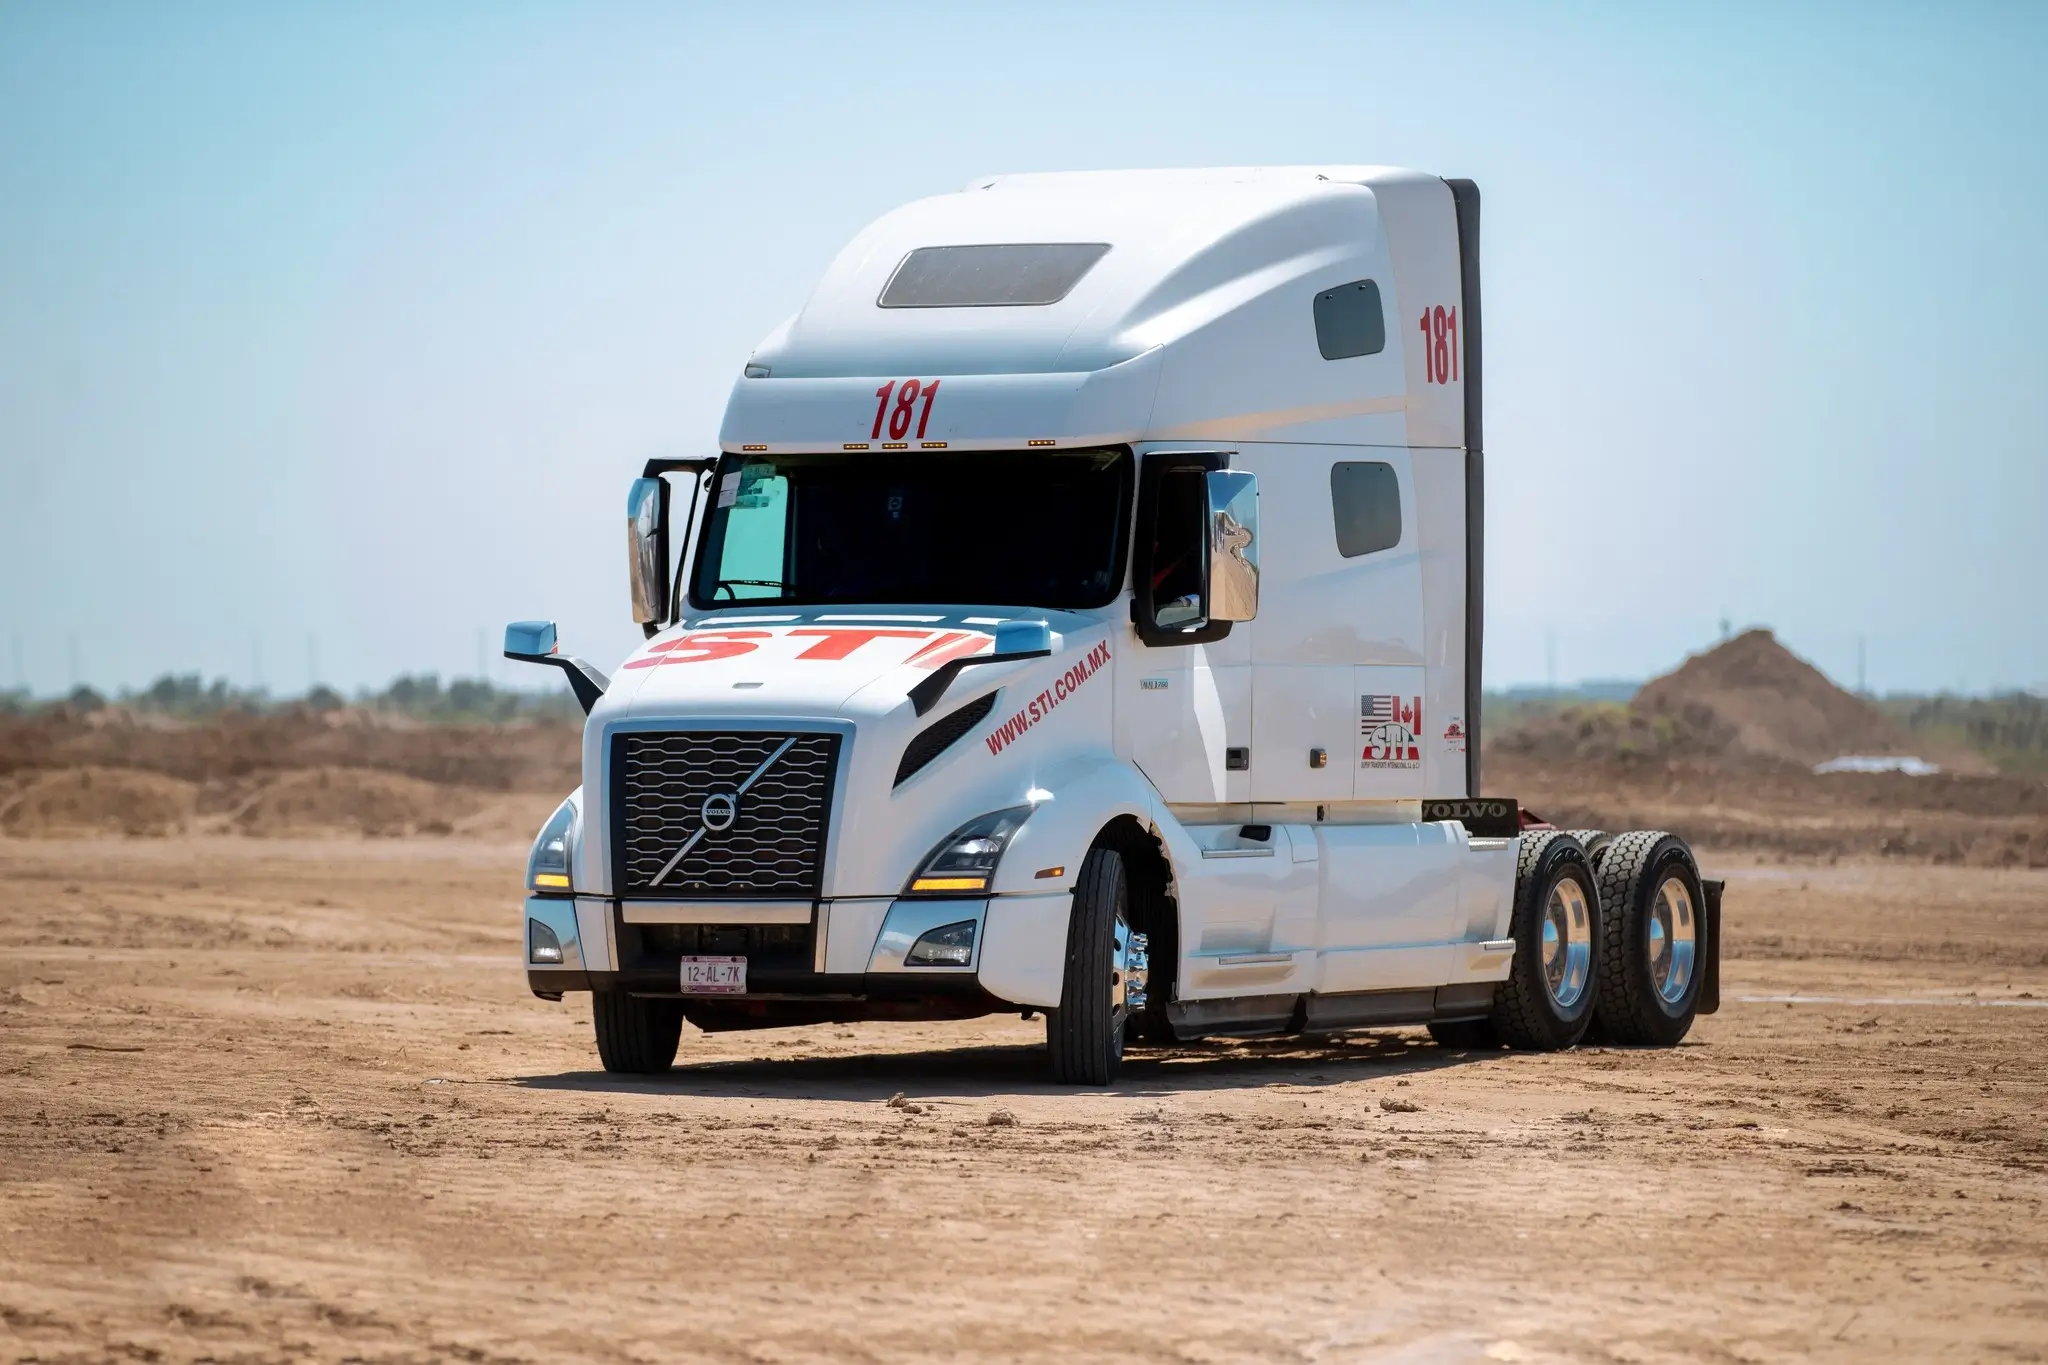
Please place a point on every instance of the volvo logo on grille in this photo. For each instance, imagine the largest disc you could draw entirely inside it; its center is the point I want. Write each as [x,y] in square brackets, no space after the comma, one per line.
[719,811]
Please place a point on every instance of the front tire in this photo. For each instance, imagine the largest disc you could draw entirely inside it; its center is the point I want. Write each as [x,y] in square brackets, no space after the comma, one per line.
[1651,966]
[1084,1037]
[1547,1002]
[636,1036]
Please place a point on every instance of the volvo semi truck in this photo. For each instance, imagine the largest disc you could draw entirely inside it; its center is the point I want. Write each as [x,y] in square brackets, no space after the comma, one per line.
[1082,616]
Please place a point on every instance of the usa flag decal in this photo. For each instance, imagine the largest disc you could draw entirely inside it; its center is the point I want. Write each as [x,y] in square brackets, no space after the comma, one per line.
[1391,730]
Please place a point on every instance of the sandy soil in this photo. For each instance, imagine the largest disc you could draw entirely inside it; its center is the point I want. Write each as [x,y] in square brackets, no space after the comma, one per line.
[276,1100]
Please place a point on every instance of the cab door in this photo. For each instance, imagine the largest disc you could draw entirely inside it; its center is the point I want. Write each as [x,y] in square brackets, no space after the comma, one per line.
[1184,689]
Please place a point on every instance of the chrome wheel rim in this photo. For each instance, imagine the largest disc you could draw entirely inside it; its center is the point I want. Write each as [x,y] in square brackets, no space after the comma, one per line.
[1567,944]
[1130,970]
[1672,940]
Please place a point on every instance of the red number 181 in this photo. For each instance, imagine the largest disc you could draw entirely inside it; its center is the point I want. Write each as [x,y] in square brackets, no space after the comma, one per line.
[906,402]
[1440,344]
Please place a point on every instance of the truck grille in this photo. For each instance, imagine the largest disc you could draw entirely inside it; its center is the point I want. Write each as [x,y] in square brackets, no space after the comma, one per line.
[758,837]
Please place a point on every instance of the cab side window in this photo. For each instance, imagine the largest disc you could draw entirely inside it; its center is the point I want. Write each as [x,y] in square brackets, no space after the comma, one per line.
[1178,546]
[1365,495]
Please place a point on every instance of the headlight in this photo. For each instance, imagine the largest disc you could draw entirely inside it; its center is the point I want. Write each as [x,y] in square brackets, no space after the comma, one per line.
[547,867]
[966,859]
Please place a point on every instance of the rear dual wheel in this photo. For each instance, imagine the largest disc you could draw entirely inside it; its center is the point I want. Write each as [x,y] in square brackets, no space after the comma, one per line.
[1547,1002]
[1651,963]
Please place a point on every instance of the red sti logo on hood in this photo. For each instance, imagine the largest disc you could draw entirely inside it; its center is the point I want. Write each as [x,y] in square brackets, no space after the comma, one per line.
[820,644]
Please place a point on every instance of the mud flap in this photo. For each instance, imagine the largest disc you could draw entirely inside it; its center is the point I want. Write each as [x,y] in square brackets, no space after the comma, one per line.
[1710,926]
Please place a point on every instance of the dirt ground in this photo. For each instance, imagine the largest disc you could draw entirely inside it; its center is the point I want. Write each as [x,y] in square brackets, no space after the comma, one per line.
[274,1100]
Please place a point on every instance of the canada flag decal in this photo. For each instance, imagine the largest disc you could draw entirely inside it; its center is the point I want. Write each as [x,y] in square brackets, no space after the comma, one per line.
[1391,730]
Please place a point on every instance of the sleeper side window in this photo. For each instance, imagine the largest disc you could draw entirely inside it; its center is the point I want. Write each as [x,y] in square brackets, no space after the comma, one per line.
[1366,497]
[1350,321]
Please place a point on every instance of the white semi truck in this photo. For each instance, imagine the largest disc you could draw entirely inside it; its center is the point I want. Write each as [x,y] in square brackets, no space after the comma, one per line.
[1082,616]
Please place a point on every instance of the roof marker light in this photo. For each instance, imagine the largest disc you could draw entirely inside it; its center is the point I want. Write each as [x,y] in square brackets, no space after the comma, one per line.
[895,445]
[931,445]
[1039,441]
[753,447]
[855,445]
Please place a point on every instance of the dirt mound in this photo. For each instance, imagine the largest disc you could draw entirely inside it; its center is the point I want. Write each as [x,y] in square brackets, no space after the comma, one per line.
[1747,702]
[325,800]
[1774,704]
[97,800]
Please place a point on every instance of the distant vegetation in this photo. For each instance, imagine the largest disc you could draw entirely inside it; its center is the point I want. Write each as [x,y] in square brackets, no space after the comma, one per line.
[2010,729]
[462,701]
[1518,706]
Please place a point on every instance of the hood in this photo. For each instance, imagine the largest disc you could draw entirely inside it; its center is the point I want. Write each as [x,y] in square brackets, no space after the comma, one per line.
[826,661]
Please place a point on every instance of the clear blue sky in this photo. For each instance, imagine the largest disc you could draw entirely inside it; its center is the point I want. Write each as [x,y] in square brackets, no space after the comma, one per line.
[349,323]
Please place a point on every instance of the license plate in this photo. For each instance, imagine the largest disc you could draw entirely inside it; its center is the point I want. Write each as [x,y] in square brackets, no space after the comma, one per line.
[714,976]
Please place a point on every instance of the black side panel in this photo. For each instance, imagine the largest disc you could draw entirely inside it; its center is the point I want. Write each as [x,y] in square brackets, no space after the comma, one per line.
[1465,196]
[941,735]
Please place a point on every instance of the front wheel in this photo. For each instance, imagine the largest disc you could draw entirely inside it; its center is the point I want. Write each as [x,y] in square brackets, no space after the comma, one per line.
[636,1035]
[1548,999]
[1105,977]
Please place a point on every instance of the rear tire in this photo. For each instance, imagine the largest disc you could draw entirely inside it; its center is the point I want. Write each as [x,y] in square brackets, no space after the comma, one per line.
[1596,842]
[1084,1037]
[1547,1002]
[636,1036]
[1651,946]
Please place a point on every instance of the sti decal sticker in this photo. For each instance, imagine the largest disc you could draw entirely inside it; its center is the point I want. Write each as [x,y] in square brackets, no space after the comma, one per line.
[1392,730]
[1040,706]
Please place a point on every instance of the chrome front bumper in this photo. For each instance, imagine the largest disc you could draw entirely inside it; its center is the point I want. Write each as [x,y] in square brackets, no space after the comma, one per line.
[597,943]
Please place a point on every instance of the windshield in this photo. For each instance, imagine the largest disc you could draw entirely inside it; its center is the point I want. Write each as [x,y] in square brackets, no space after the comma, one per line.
[1000,528]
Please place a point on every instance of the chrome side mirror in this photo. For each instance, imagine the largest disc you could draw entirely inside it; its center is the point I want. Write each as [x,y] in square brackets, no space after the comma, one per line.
[534,642]
[647,550]
[1233,545]
[528,640]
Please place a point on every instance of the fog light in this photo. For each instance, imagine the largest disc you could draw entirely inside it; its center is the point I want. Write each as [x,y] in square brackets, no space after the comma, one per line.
[949,945]
[542,945]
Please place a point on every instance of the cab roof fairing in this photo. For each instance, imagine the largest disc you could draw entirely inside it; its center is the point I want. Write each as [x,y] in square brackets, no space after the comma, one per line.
[1196,325]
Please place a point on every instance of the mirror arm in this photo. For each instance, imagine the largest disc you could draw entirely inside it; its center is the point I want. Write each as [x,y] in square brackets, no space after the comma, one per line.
[926,694]
[586,682]
[654,469]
